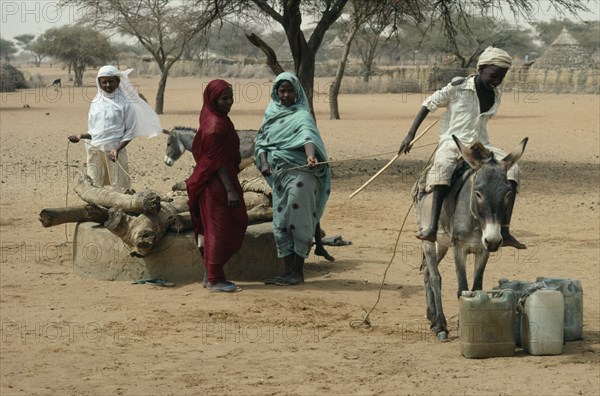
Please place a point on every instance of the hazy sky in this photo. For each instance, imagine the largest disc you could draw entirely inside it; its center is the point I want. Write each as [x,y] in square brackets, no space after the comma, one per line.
[35,17]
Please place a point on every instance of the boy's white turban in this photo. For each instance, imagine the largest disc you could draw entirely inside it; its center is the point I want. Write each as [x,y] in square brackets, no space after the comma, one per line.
[494,56]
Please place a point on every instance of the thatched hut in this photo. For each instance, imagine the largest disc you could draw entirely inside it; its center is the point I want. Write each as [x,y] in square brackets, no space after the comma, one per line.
[564,53]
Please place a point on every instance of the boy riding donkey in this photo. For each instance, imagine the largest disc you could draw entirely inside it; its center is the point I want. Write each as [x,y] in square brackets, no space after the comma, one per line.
[470,102]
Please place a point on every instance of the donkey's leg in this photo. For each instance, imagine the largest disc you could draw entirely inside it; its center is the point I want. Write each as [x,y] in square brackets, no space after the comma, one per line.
[438,325]
[481,259]
[429,296]
[460,265]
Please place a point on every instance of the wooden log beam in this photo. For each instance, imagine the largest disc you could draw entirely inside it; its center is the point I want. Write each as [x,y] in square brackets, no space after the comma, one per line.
[180,203]
[147,201]
[73,214]
[258,206]
[140,233]
[182,221]
[260,214]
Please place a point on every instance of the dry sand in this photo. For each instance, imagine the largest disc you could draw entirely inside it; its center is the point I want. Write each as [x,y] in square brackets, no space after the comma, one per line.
[62,334]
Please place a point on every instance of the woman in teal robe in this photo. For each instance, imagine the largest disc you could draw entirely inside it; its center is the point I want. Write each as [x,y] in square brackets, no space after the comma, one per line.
[290,154]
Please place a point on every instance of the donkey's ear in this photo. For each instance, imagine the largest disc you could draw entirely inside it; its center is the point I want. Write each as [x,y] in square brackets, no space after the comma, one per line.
[472,158]
[514,155]
[165,132]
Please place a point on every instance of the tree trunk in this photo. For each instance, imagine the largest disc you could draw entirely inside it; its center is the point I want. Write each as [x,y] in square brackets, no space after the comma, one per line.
[365,77]
[334,90]
[78,70]
[180,203]
[304,62]
[272,61]
[370,56]
[160,94]
[143,202]
[181,222]
[143,232]
[306,74]
[74,214]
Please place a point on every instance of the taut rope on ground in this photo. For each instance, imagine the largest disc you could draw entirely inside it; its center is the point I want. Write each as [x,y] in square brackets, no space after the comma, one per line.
[365,321]
[67,194]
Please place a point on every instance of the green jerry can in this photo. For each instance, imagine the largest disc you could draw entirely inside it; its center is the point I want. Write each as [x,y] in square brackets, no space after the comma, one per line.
[487,323]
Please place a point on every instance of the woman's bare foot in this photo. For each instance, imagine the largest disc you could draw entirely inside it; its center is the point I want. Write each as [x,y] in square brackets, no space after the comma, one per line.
[320,251]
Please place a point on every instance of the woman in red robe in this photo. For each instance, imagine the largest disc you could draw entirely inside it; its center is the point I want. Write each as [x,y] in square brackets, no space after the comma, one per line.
[216,198]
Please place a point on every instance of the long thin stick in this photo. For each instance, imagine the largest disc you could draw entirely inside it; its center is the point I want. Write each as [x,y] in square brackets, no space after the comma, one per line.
[103,152]
[392,160]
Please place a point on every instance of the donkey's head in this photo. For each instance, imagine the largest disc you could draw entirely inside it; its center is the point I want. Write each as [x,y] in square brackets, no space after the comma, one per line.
[179,139]
[491,189]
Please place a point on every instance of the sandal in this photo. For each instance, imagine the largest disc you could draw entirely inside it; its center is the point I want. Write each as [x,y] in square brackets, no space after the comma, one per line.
[154,282]
[289,281]
[273,281]
[224,287]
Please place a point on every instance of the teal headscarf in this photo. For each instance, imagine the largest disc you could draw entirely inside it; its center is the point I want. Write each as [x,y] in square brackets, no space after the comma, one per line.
[283,134]
[285,130]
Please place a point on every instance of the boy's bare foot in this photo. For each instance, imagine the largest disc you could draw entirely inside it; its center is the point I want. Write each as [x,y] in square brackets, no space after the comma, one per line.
[428,235]
[510,241]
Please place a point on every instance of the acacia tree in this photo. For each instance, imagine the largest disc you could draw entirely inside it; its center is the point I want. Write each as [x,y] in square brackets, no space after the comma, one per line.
[34,46]
[466,46]
[453,14]
[163,27]
[288,13]
[24,41]
[226,39]
[38,49]
[456,15]
[78,47]
[374,16]
[367,44]
[7,49]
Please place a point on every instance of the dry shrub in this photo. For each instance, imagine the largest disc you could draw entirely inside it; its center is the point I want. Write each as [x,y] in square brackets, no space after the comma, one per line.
[11,78]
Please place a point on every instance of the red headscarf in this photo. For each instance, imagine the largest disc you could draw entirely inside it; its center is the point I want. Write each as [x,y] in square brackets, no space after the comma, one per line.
[209,156]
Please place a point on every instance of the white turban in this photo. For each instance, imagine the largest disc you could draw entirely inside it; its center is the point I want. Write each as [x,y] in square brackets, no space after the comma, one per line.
[495,56]
[147,120]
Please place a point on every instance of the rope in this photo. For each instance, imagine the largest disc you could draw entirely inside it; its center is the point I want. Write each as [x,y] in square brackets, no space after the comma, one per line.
[471,194]
[528,292]
[102,151]
[357,158]
[365,320]
[67,194]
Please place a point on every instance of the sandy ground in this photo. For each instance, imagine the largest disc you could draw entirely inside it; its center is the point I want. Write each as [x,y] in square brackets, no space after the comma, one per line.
[62,334]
